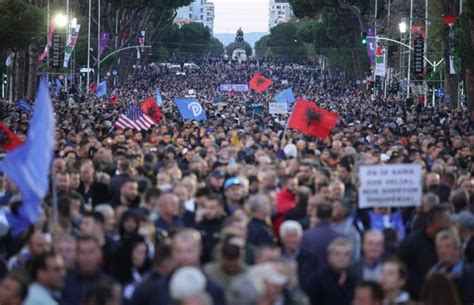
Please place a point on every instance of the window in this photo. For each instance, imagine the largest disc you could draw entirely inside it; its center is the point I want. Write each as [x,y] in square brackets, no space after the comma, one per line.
[190,16]
[202,10]
[278,7]
[202,17]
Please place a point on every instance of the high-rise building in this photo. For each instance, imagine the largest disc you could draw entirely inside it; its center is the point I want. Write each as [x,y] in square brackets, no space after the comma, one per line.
[280,12]
[200,11]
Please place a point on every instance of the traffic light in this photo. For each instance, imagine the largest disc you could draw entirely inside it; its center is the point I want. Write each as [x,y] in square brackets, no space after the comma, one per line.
[418,50]
[363,38]
[370,85]
[4,79]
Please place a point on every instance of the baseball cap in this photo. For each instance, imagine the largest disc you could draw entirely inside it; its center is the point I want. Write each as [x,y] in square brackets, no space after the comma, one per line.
[232,181]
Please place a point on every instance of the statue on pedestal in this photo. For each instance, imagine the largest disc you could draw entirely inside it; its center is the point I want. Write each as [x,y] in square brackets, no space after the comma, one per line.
[239,53]
[239,37]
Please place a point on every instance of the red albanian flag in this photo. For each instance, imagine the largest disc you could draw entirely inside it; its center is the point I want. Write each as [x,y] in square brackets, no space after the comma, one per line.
[259,82]
[151,108]
[93,87]
[8,140]
[114,99]
[308,118]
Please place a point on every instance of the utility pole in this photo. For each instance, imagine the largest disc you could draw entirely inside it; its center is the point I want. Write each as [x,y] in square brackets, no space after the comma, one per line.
[409,54]
[425,84]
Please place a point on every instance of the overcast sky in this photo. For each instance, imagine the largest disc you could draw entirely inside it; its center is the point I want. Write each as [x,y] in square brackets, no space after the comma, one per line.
[251,15]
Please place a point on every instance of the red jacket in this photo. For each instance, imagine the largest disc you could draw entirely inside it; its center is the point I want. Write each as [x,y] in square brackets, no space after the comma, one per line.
[285,201]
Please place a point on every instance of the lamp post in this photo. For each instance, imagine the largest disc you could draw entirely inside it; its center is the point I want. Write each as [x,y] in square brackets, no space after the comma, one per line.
[403,29]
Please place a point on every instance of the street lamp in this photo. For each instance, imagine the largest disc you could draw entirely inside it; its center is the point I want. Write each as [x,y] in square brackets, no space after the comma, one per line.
[60,20]
[403,27]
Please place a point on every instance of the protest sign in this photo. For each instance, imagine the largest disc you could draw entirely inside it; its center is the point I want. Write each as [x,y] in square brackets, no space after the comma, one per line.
[234,87]
[395,185]
[278,108]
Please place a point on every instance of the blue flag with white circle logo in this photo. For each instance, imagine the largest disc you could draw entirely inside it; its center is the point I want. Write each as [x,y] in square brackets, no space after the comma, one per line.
[190,109]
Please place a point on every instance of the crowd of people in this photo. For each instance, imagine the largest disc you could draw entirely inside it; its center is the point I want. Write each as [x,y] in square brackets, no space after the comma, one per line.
[237,210]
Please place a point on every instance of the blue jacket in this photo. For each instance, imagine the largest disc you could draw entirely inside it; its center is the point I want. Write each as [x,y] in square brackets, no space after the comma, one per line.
[396,222]
[76,286]
[313,254]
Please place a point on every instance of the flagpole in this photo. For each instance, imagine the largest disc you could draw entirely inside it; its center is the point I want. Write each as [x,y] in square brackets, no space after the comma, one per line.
[54,190]
[47,38]
[68,28]
[285,130]
[98,42]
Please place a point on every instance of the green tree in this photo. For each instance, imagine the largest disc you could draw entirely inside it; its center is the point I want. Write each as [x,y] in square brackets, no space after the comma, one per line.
[20,24]
[285,44]
[261,47]
[196,38]
[465,48]
[216,48]
[168,45]
[235,45]
[344,21]
[20,27]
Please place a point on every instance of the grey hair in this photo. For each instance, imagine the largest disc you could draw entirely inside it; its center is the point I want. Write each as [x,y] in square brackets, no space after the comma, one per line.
[255,202]
[104,207]
[431,200]
[445,234]
[339,242]
[289,225]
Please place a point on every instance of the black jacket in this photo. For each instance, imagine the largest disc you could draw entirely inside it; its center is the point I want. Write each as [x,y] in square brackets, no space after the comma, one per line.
[418,252]
[144,291]
[210,233]
[259,233]
[325,288]
[97,194]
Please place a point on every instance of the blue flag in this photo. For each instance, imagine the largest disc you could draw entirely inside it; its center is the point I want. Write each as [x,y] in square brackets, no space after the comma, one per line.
[158,98]
[28,165]
[285,96]
[59,85]
[101,89]
[23,105]
[190,109]
[217,100]
[257,109]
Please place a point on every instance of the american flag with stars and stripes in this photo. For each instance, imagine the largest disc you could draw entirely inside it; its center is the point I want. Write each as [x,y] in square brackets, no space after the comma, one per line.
[134,118]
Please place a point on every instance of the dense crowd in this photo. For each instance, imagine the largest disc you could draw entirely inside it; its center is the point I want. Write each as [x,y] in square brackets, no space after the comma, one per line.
[237,210]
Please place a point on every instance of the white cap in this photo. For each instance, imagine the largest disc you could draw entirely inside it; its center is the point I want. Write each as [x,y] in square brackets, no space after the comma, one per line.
[187,282]
[384,157]
[290,150]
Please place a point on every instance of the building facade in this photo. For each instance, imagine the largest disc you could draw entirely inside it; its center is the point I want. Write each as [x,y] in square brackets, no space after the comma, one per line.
[200,11]
[280,12]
